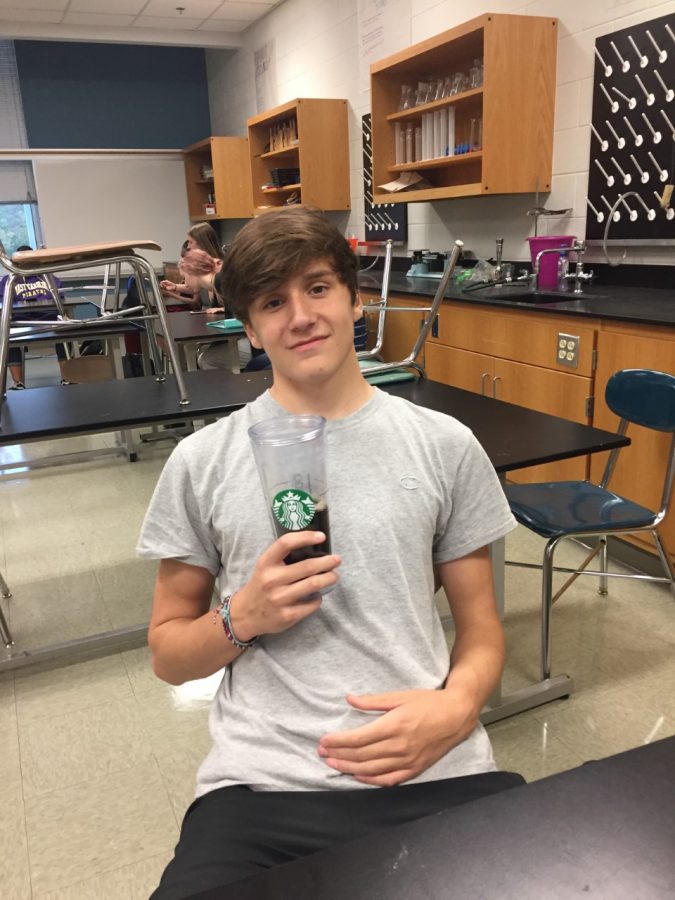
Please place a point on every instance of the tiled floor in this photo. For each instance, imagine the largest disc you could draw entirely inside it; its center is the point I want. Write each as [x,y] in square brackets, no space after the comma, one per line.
[97,757]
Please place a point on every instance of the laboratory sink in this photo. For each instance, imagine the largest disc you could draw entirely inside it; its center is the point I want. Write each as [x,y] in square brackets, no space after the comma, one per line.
[518,294]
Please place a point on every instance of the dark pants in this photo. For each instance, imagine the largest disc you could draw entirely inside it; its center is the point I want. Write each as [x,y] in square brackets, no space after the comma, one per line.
[234,832]
[15,357]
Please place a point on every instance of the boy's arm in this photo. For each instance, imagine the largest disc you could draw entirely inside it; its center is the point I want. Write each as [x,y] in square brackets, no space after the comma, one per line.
[187,643]
[420,726]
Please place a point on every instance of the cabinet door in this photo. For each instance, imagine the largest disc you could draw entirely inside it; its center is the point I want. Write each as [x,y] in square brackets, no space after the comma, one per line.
[640,469]
[401,328]
[547,391]
[460,368]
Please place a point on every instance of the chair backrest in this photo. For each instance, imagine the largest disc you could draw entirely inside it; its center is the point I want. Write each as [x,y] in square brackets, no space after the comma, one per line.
[643,396]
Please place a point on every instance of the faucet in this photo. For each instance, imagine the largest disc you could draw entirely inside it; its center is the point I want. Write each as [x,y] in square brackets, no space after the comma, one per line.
[499,251]
[579,276]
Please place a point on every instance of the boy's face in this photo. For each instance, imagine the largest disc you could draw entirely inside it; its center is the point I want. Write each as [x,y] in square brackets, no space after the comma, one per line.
[306,325]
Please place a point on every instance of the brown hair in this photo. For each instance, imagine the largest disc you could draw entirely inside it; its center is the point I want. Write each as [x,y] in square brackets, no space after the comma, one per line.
[206,239]
[277,245]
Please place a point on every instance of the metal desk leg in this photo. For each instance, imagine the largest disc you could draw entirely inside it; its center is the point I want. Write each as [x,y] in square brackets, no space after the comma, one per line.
[5,633]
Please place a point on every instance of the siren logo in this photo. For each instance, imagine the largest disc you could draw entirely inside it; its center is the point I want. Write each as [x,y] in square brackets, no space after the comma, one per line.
[294,510]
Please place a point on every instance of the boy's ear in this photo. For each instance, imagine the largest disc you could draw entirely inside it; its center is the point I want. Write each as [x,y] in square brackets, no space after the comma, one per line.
[357,307]
[251,335]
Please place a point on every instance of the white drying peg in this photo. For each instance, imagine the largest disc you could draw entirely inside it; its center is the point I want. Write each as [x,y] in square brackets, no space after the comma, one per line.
[670,124]
[663,54]
[620,141]
[668,210]
[608,69]
[655,134]
[638,137]
[625,65]
[609,178]
[631,101]
[616,215]
[670,93]
[672,36]
[604,145]
[663,173]
[644,174]
[651,215]
[649,97]
[632,214]
[599,214]
[613,104]
[640,55]
[626,177]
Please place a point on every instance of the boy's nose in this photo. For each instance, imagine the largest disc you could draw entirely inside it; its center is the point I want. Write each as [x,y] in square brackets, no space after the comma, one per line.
[302,312]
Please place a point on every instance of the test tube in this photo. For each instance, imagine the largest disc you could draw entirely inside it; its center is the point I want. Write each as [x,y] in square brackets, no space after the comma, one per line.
[399,157]
[451,131]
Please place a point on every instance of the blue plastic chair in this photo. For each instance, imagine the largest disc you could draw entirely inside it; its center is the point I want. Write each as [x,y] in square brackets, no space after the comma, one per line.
[563,509]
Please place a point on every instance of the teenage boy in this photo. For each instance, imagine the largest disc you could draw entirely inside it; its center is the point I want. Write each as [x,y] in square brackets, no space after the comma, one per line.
[324,701]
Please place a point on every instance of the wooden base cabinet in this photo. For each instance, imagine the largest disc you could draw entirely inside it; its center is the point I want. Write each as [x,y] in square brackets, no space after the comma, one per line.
[640,470]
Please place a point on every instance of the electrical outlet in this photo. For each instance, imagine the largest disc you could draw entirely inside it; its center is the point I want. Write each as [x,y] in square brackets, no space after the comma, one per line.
[567,350]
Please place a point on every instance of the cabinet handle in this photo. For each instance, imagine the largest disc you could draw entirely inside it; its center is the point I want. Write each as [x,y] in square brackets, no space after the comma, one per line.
[482,383]
[496,379]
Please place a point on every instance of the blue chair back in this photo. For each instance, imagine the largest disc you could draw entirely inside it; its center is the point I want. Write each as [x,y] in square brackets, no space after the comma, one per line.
[643,396]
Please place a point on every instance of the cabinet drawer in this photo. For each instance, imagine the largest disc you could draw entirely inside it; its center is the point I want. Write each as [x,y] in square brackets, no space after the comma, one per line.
[521,336]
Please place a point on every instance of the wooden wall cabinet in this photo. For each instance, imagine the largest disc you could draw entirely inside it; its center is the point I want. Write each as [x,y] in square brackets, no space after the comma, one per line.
[640,470]
[311,135]
[515,103]
[217,173]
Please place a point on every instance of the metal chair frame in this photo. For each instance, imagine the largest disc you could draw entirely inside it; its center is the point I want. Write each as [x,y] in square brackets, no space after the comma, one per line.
[410,361]
[547,568]
[5,634]
[29,263]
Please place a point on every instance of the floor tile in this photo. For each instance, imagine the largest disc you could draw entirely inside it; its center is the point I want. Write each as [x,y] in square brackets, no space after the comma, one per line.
[138,664]
[10,768]
[110,738]
[127,590]
[70,688]
[15,874]
[32,629]
[132,882]
[79,832]
[524,744]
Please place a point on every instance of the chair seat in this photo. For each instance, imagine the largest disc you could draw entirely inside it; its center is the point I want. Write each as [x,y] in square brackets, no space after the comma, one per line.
[574,507]
[391,376]
[31,259]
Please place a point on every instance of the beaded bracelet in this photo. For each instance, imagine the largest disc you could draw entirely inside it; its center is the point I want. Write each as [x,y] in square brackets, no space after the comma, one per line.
[223,610]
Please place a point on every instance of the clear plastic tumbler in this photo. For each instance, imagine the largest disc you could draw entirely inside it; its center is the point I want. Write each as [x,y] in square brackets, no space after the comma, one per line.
[289,454]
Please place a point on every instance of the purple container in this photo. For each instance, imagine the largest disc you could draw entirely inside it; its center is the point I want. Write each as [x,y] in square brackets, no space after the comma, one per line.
[548,265]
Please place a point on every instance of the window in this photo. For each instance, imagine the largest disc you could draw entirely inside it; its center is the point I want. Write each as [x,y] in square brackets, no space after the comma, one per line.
[19,226]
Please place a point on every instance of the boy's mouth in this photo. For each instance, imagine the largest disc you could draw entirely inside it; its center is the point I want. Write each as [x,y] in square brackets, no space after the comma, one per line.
[313,341]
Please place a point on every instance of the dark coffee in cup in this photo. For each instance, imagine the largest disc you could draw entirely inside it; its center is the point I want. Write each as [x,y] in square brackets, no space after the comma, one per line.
[294,518]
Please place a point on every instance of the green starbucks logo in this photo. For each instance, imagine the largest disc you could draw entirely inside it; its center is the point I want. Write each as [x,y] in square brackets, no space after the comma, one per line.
[293,509]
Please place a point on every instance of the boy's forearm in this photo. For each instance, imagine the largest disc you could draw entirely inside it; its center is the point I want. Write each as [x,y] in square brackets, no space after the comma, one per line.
[477,661]
[185,649]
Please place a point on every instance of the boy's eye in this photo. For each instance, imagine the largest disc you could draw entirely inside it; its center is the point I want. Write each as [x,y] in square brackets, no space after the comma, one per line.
[272,303]
[318,289]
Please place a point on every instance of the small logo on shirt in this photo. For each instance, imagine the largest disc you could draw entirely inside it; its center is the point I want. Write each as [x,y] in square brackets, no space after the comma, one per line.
[294,510]
[410,482]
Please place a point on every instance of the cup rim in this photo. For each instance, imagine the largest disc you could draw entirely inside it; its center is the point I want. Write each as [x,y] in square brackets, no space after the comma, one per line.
[281,431]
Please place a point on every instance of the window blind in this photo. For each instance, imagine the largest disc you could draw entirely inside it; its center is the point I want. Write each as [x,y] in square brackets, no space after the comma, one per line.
[16,177]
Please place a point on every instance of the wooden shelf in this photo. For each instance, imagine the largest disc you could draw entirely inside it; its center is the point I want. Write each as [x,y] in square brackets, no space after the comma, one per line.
[519,65]
[284,151]
[230,186]
[440,162]
[414,112]
[324,177]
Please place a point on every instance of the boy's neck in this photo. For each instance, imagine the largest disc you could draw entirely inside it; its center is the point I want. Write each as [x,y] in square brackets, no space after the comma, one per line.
[333,399]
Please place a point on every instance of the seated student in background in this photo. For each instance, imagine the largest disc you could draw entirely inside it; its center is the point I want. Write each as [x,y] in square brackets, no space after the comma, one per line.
[343,714]
[31,289]
[201,237]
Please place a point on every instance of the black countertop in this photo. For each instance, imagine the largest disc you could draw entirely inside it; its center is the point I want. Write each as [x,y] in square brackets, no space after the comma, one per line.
[638,305]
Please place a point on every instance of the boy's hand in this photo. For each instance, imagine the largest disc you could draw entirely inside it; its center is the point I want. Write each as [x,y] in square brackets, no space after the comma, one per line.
[416,729]
[279,596]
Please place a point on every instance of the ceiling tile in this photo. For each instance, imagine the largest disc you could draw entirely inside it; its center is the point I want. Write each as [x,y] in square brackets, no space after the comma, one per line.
[103,21]
[194,9]
[246,12]
[223,25]
[161,23]
[119,7]
[33,5]
[31,15]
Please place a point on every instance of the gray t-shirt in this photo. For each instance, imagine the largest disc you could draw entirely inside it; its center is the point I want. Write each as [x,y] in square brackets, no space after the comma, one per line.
[408,487]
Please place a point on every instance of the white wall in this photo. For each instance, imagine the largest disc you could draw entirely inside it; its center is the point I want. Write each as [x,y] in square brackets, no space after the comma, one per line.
[113,198]
[316,55]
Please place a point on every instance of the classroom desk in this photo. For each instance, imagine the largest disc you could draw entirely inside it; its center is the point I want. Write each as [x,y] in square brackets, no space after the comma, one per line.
[605,830]
[513,437]
[190,329]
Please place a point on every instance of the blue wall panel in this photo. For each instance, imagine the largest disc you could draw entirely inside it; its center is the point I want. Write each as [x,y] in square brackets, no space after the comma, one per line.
[117,96]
